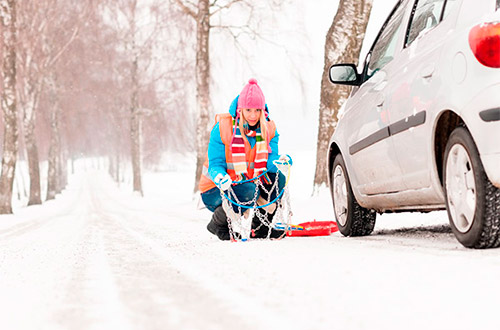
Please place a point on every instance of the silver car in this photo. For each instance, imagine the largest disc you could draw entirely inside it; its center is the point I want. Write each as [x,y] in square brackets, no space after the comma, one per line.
[421,128]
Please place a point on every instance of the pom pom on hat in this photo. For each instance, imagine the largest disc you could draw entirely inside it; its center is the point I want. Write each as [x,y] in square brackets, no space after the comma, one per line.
[251,96]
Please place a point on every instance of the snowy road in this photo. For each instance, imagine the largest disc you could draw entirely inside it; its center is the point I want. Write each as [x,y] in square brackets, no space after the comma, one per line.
[99,258]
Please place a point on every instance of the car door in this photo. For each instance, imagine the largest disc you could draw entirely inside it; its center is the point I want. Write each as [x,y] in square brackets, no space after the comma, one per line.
[415,98]
[371,151]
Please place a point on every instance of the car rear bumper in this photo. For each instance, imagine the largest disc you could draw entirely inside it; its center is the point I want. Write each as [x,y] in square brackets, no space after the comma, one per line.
[491,164]
[482,118]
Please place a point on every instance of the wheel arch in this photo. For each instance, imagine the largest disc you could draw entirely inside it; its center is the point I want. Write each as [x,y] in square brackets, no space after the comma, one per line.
[448,120]
[333,151]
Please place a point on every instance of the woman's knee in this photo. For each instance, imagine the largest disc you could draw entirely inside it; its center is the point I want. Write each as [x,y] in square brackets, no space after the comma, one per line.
[211,199]
[246,192]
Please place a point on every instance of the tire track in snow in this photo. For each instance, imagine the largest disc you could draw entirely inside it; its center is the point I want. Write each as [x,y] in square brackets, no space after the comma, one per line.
[35,264]
[167,252]
[30,225]
[92,298]
[154,294]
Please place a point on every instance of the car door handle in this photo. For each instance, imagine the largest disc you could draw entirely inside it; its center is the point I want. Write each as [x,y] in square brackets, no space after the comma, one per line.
[428,71]
[379,101]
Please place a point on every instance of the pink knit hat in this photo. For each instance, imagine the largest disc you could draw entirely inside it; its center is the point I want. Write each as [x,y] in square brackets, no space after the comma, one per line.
[251,96]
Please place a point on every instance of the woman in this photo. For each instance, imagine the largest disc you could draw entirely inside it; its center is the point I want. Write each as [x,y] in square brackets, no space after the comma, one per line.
[233,156]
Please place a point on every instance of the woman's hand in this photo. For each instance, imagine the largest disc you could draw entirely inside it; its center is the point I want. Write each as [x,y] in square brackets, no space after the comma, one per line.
[223,181]
[283,163]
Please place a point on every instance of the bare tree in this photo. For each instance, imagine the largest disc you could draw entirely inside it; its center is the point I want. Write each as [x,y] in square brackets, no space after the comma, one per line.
[9,103]
[343,44]
[201,15]
[47,29]
[137,36]
[53,179]
[94,93]
[201,11]
[60,34]
[135,120]
[33,21]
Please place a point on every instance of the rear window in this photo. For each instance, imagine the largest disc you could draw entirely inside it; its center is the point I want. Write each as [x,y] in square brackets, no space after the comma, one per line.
[498,4]
[426,15]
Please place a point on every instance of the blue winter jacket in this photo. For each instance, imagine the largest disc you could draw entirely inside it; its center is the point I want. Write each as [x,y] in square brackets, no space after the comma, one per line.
[217,152]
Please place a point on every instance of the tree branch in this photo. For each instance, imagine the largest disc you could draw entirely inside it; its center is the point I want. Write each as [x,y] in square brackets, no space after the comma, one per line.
[63,49]
[226,6]
[186,9]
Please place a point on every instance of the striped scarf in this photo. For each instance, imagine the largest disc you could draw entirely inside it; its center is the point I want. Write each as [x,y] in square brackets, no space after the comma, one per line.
[239,156]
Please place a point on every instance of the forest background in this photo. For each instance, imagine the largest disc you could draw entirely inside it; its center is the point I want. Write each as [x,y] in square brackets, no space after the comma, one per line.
[135,83]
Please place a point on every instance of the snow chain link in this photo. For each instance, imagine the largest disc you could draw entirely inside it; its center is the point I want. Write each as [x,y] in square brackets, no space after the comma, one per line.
[240,225]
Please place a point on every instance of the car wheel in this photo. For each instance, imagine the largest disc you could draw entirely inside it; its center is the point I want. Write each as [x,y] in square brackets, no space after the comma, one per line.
[472,202]
[352,219]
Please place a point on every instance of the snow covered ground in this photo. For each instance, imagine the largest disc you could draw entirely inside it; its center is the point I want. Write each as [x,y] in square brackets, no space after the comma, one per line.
[99,257]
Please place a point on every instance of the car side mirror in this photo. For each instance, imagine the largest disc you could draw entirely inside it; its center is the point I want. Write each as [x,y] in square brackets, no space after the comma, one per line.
[344,74]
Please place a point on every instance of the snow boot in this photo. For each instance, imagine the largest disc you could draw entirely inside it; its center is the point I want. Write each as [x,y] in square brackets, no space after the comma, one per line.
[260,230]
[218,225]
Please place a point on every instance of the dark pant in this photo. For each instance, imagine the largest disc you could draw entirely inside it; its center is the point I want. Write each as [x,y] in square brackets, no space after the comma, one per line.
[245,192]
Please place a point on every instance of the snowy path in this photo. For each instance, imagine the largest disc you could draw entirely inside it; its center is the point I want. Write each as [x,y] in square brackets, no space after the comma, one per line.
[99,258]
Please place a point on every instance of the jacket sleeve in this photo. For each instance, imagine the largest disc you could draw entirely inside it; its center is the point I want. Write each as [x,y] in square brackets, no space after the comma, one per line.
[274,155]
[216,154]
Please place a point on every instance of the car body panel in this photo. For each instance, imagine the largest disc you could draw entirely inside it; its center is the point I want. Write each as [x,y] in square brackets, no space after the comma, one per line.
[387,130]
[361,145]
[422,85]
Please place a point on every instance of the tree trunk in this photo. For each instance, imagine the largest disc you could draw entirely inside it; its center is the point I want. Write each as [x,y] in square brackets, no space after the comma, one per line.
[111,166]
[9,104]
[63,170]
[135,130]
[55,147]
[135,117]
[117,173]
[31,147]
[343,45]
[114,166]
[33,168]
[202,85]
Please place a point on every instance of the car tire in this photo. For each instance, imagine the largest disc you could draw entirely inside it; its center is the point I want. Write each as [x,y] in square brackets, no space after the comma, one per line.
[472,202]
[352,219]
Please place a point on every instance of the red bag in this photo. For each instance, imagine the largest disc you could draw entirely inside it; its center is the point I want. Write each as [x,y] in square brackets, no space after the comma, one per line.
[313,228]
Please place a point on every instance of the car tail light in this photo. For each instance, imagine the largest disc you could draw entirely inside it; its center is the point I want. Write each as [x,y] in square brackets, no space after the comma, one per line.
[484,40]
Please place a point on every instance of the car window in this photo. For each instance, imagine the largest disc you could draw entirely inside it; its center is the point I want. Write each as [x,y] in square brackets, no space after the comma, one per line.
[426,15]
[385,46]
[498,4]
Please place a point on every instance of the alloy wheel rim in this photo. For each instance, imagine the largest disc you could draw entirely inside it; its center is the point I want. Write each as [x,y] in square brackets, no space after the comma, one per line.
[340,195]
[460,188]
